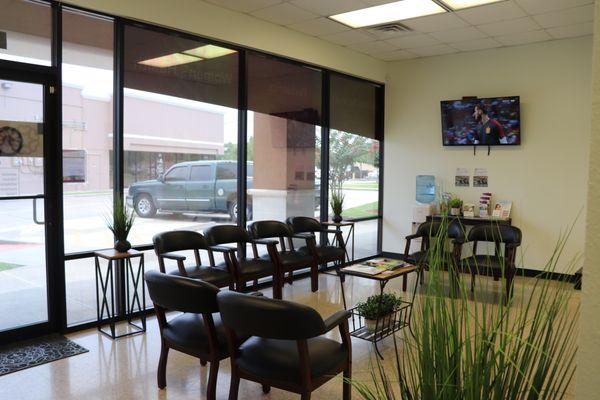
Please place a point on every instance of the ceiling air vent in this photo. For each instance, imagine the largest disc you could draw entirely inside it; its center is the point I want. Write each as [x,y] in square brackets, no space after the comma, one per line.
[394,27]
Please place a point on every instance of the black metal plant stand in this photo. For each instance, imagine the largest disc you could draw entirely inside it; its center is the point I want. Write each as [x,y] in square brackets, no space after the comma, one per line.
[105,282]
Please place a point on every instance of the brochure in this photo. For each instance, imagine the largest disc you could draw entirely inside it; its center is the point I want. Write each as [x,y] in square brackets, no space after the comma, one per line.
[502,209]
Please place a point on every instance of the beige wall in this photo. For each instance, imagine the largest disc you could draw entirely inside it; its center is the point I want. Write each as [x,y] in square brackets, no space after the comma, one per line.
[211,21]
[588,365]
[546,177]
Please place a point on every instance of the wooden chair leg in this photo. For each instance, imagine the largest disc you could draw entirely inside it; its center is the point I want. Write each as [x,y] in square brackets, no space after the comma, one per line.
[266,389]
[162,366]
[291,277]
[203,362]
[234,385]
[347,390]
[255,285]
[314,277]
[404,282]
[212,380]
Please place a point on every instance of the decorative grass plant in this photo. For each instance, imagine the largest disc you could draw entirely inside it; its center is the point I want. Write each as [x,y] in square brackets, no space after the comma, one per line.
[337,205]
[120,223]
[482,346]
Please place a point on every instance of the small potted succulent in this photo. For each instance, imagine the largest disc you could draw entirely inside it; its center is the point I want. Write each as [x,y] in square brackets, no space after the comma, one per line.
[120,223]
[337,205]
[455,205]
[378,307]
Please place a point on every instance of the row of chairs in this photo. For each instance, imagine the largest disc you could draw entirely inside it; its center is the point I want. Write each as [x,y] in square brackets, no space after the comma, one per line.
[238,267]
[272,342]
[505,238]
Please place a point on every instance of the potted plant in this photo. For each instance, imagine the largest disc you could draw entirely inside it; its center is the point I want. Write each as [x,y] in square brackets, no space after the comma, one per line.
[120,223]
[337,205]
[455,205]
[380,308]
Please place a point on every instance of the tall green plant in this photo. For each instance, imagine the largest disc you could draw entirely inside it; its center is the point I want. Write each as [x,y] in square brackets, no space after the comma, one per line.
[120,220]
[474,347]
[337,202]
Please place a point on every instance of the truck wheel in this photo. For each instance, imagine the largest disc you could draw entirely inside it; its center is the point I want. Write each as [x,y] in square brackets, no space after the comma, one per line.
[144,206]
[233,211]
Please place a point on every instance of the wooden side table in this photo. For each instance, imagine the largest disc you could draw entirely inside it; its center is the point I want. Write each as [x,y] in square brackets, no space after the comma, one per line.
[106,281]
[338,227]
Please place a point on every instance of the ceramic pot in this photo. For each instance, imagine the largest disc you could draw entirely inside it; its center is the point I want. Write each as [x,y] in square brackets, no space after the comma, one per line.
[122,246]
[384,323]
[337,219]
[455,211]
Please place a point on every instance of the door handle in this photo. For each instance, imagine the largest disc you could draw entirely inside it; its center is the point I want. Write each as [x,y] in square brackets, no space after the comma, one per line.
[35,218]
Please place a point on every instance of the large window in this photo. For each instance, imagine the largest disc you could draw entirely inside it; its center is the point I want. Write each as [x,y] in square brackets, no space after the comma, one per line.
[180,130]
[283,130]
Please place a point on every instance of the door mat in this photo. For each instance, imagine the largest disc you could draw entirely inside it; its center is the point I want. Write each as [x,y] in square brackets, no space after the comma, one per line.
[30,353]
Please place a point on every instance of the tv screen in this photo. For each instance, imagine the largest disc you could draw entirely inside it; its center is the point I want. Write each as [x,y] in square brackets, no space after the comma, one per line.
[494,121]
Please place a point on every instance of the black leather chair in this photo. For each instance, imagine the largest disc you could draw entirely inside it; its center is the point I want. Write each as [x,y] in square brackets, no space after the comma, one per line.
[286,348]
[287,259]
[307,228]
[501,262]
[428,232]
[166,246]
[236,259]
[198,332]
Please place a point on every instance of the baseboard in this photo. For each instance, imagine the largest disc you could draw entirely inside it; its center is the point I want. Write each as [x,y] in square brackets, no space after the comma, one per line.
[528,272]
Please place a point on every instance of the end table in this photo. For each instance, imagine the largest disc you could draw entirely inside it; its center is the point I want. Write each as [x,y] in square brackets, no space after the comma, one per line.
[106,281]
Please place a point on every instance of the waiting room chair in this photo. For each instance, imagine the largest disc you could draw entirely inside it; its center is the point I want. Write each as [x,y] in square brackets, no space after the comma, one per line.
[245,268]
[307,228]
[166,246]
[198,332]
[286,347]
[502,261]
[287,258]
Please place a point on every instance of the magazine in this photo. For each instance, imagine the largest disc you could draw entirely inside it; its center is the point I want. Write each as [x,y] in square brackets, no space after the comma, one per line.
[385,264]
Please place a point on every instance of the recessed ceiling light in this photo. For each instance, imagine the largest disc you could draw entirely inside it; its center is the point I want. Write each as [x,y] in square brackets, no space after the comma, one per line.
[209,51]
[395,11]
[458,4]
[170,60]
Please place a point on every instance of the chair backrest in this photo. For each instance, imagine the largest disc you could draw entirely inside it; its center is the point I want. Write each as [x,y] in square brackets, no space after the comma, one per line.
[304,224]
[178,293]
[221,234]
[269,318]
[429,229]
[166,242]
[456,230]
[509,235]
[269,229]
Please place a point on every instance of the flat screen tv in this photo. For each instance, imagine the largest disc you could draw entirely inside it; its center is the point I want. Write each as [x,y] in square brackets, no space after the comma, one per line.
[494,121]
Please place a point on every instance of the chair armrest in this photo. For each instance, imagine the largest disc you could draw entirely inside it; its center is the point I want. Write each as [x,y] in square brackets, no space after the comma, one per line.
[172,256]
[305,236]
[331,231]
[266,242]
[336,319]
[411,237]
[223,249]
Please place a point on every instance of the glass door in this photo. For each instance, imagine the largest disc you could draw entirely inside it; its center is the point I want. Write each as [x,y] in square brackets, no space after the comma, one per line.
[23,271]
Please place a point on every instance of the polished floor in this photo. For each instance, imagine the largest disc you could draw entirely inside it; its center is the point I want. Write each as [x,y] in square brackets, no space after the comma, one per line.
[126,368]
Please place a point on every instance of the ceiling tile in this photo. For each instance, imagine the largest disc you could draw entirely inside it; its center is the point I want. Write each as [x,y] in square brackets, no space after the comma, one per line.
[511,26]
[245,5]
[433,50]
[330,7]
[408,42]
[433,23]
[570,16]
[319,27]
[479,44]
[515,39]
[544,6]
[372,48]
[382,35]
[563,32]
[349,37]
[458,35]
[396,55]
[283,14]
[376,2]
[491,13]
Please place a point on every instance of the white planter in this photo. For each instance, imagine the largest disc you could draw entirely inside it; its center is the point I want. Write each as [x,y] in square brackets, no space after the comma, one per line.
[455,211]
[384,322]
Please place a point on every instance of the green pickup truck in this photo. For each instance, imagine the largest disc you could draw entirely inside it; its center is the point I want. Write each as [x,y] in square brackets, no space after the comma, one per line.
[194,187]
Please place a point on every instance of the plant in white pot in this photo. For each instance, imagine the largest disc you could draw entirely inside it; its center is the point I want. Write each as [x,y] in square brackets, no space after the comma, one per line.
[455,205]
[378,310]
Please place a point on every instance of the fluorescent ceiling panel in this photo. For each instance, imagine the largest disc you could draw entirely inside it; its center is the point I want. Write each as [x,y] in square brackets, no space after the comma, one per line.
[209,51]
[170,60]
[459,4]
[396,11]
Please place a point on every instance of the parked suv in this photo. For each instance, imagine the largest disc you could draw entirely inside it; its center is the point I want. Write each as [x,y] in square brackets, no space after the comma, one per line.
[194,186]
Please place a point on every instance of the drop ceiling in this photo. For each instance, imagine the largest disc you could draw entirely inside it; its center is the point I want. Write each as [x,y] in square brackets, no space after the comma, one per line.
[504,23]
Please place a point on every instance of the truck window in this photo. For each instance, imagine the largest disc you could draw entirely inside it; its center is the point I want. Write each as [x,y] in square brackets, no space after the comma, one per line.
[227,171]
[200,173]
[177,174]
